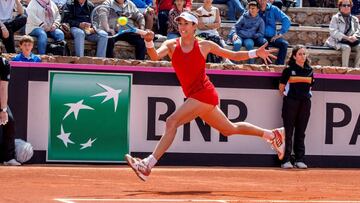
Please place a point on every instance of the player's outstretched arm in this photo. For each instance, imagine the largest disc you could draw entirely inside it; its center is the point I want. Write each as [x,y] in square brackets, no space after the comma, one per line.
[154,54]
[261,52]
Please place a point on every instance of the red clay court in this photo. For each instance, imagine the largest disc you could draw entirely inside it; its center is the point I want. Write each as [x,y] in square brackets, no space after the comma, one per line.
[87,183]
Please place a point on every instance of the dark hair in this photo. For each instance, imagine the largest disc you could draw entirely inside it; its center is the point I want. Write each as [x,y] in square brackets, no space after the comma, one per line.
[295,50]
[253,3]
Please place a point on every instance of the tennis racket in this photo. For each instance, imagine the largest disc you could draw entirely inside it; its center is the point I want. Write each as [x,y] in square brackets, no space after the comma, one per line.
[109,23]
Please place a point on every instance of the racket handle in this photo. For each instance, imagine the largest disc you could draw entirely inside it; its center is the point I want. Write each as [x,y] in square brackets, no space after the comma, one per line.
[140,32]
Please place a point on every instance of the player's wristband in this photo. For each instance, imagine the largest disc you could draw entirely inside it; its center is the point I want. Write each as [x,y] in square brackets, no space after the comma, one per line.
[252,53]
[149,45]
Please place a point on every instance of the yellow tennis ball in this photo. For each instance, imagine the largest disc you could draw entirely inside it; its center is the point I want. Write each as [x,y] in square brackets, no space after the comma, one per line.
[122,20]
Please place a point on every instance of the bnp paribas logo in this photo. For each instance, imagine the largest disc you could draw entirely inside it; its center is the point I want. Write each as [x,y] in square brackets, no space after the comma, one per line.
[89,116]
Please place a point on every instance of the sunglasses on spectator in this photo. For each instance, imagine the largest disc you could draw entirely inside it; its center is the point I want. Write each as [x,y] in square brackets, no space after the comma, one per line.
[345,5]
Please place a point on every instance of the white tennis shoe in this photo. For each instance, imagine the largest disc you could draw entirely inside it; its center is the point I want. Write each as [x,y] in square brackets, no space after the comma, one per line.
[278,142]
[139,166]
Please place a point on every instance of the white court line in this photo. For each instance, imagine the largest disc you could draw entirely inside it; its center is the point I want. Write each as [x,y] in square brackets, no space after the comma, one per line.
[74,200]
[71,200]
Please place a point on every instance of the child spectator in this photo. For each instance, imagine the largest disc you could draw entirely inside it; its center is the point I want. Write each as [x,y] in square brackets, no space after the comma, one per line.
[179,7]
[249,30]
[145,7]
[209,22]
[26,45]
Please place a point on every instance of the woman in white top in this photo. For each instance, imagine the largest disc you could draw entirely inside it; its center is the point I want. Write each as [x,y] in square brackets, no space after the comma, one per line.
[209,22]
[43,21]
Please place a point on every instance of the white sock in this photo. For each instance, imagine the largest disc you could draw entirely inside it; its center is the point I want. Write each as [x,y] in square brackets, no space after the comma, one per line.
[151,161]
[268,135]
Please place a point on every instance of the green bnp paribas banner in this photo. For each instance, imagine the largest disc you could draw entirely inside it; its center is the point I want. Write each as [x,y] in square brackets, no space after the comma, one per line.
[89,117]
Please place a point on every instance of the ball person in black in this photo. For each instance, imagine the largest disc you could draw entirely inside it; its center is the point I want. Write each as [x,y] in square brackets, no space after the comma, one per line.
[295,85]
[6,118]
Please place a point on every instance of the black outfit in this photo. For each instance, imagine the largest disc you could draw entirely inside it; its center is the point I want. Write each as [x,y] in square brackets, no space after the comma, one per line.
[8,129]
[133,39]
[296,108]
[12,25]
[74,13]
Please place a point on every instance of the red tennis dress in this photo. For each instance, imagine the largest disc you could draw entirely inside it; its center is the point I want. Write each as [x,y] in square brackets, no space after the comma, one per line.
[190,70]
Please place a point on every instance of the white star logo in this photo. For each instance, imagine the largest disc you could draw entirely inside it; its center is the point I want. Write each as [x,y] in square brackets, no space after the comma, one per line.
[65,137]
[87,144]
[109,94]
[75,108]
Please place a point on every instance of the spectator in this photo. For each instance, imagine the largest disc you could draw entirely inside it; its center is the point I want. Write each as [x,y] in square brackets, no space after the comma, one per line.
[163,8]
[235,8]
[26,45]
[128,9]
[249,30]
[344,33]
[209,22]
[295,85]
[6,118]
[271,15]
[8,24]
[43,21]
[77,14]
[355,10]
[173,31]
[146,8]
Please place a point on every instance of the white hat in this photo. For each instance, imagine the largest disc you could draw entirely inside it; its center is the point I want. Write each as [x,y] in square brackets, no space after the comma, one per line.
[188,17]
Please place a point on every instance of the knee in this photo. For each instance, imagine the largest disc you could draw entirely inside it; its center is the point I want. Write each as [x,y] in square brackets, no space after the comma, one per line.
[345,48]
[77,33]
[284,44]
[171,123]
[42,36]
[59,35]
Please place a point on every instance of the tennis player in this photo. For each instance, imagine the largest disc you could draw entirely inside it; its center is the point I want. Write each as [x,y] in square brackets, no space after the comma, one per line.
[188,56]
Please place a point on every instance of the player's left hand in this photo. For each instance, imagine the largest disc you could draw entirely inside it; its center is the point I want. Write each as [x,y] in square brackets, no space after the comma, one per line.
[266,55]
[3,118]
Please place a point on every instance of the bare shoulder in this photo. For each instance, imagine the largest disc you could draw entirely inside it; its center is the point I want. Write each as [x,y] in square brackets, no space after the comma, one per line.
[170,44]
[205,43]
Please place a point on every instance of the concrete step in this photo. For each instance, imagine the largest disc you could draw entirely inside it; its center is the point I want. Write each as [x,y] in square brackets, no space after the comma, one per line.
[123,50]
[307,35]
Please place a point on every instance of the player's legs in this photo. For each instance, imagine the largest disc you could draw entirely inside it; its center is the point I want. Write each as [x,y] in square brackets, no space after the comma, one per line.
[217,119]
[191,109]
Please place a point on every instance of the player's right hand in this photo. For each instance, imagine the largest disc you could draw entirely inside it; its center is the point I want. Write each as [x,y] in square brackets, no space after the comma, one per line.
[149,36]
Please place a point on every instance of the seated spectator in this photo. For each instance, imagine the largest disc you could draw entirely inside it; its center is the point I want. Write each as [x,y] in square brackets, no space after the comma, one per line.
[8,24]
[355,10]
[235,8]
[209,22]
[271,15]
[173,31]
[163,8]
[129,10]
[145,7]
[43,21]
[344,33]
[26,45]
[249,30]
[77,14]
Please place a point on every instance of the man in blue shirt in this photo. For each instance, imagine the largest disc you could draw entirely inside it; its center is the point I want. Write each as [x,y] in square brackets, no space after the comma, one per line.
[271,15]
[26,46]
